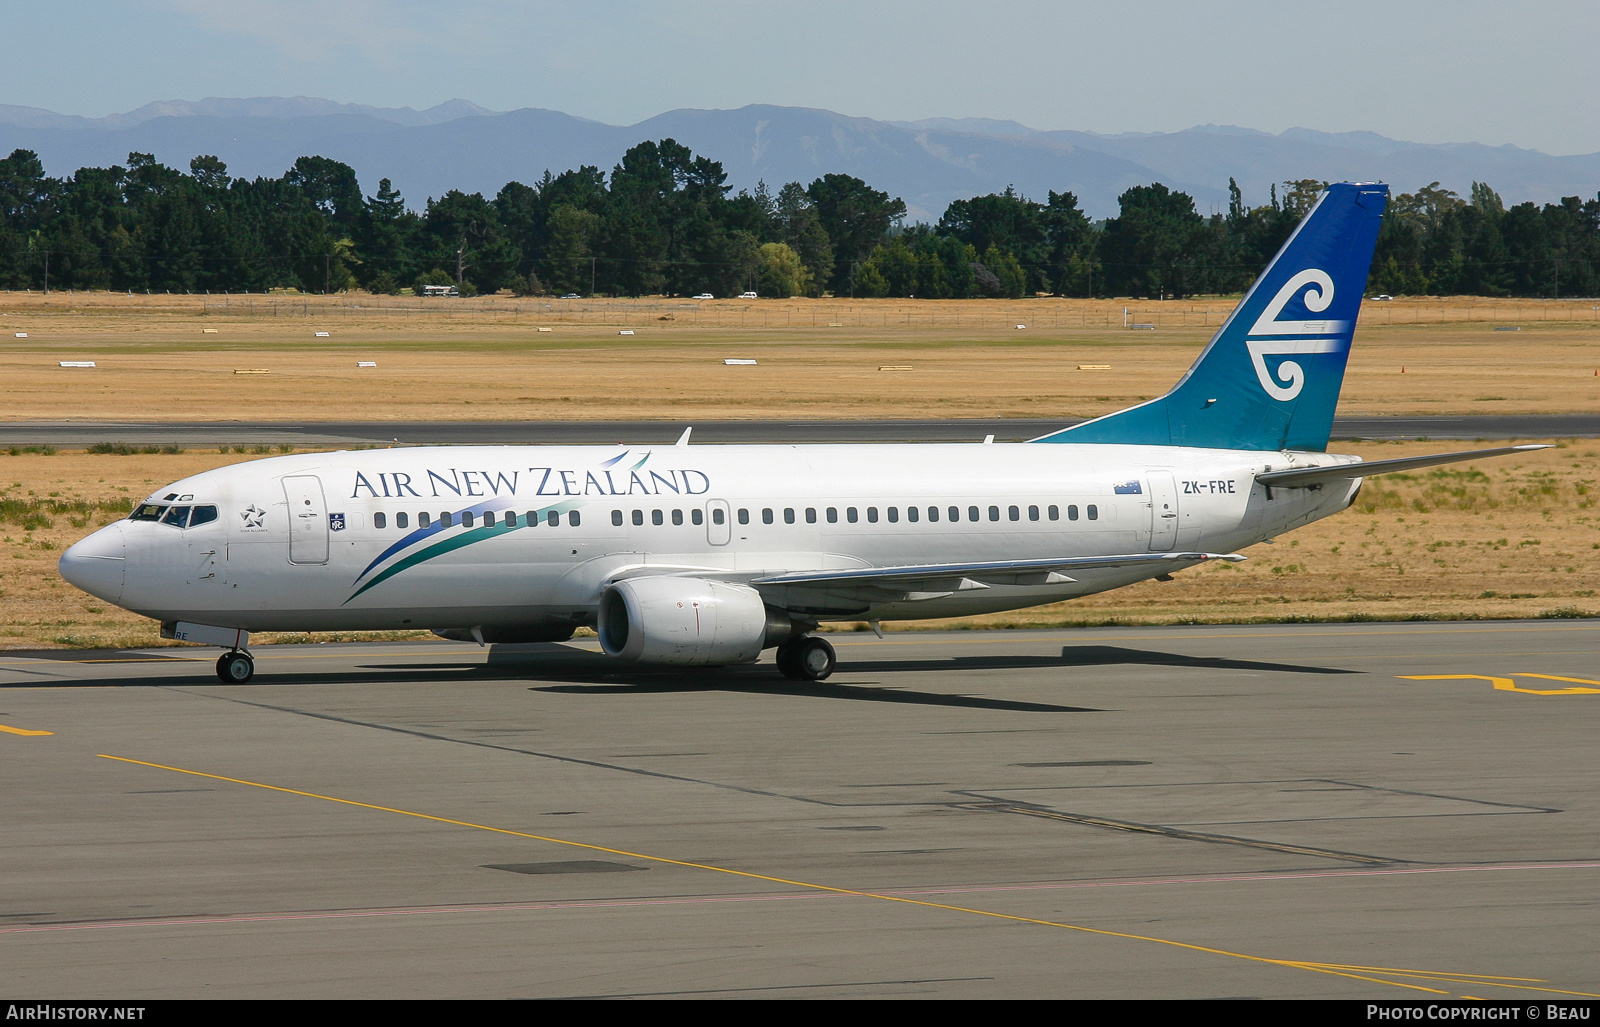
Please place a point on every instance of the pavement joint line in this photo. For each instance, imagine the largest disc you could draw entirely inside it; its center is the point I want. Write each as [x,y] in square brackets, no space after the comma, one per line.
[1334,969]
[672,900]
[1181,834]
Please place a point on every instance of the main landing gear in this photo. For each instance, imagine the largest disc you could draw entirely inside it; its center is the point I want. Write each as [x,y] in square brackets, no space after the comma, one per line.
[808,658]
[235,667]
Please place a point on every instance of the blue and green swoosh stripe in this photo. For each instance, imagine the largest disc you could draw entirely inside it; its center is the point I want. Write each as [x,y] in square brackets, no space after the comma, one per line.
[458,539]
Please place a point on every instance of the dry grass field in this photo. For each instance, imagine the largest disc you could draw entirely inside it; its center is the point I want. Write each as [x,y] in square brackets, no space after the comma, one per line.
[1513,537]
[175,358]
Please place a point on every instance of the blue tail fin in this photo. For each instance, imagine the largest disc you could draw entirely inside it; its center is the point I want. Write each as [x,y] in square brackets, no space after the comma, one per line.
[1270,377]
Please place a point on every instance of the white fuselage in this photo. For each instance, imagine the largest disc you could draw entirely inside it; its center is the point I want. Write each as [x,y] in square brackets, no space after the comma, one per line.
[316,542]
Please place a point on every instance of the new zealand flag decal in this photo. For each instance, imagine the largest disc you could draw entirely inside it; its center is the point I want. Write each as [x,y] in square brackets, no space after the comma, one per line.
[336,522]
[1127,488]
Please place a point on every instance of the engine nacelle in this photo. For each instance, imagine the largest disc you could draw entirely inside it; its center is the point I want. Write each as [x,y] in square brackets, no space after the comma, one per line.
[688,621]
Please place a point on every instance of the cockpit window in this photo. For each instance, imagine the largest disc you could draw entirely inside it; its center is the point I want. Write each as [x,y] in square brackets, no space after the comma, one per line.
[202,515]
[178,515]
[148,512]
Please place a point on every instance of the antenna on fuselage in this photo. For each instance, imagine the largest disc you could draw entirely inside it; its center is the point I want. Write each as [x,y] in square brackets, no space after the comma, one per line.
[683,440]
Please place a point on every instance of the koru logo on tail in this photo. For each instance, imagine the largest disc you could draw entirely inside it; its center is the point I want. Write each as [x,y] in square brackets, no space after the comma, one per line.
[1293,338]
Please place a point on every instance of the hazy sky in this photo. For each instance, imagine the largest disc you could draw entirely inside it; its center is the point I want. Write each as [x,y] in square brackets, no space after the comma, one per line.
[1426,70]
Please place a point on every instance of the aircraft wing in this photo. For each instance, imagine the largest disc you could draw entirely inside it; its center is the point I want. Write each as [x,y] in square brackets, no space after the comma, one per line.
[956,577]
[1307,477]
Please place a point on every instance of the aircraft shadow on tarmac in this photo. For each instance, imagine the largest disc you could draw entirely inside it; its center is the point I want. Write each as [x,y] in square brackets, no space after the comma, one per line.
[585,673]
[1102,655]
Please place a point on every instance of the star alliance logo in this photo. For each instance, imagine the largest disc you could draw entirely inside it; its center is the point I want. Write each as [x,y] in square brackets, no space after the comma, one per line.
[253,517]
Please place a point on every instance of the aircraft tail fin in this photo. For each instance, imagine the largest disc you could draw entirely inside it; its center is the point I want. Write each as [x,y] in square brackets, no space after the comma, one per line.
[1270,377]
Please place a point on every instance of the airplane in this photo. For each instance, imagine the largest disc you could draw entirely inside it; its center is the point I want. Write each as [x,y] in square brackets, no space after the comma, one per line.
[711,555]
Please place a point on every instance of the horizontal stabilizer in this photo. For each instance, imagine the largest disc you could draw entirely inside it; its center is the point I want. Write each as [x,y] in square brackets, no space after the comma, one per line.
[1305,477]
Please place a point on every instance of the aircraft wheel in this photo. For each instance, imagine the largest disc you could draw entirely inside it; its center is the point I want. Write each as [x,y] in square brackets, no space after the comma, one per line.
[814,658]
[235,668]
[788,659]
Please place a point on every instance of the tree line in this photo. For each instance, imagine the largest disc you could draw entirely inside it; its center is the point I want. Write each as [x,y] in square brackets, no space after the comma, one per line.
[665,222]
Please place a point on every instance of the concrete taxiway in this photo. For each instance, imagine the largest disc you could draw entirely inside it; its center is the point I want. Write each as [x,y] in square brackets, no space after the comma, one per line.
[1392,811]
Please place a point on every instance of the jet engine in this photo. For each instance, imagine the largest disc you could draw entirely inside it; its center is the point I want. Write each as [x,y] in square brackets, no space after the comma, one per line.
[689,621]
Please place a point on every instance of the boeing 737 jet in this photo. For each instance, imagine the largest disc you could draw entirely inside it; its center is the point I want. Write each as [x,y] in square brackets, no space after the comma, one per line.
[710,555]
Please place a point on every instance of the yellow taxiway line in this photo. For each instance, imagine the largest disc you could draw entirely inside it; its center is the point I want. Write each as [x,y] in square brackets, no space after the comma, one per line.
[8,729]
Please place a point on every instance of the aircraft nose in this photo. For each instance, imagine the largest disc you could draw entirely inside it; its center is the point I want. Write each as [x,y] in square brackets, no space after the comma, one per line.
[97,564]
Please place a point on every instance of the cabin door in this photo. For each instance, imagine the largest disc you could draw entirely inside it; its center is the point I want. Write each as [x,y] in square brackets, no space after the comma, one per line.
[308,519]
[1163,512]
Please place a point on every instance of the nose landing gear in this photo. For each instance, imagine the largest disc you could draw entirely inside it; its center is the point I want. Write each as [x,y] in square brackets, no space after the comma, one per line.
[806,658]
[235,667]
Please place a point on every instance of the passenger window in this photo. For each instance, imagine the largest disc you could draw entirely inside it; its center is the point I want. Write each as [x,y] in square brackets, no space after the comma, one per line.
[1054,512]
[894,515]
[574,519]
[994,513]
[400,520]
[1013,513]
[833,515]
[178,515]
[1033,513]
[677,517]
[379,521]
[811,515]
[423,520]
[716,516]
[638,518]
[788,515]
[744,516]
[616,518]
[466,519]
[1072,512]
[933,513]
[488,518]
[872,515]
[972,513]
[766,515]
[446,520]
[509,519]
[912,513]
[850,514]
[552,518]
[656,518]
[697,515]
[955,513]
[202,515]
[1094,512]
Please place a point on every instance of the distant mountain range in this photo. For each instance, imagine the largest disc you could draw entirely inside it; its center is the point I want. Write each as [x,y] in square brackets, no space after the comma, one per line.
[929,163]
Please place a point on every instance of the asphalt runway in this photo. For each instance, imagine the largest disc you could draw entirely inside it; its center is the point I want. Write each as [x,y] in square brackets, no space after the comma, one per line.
[463,433]
[1390,811]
